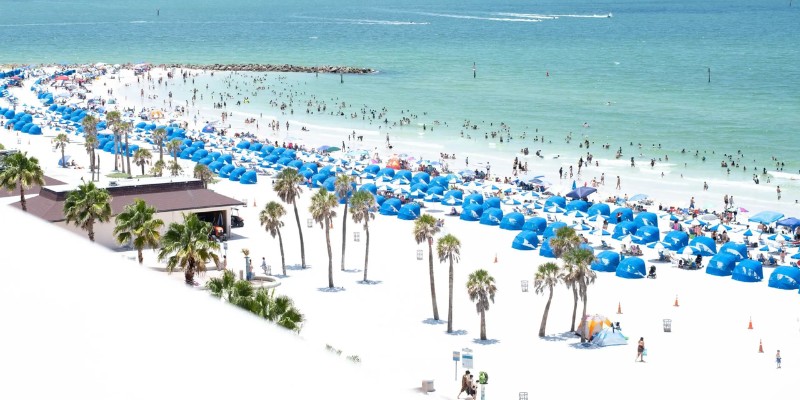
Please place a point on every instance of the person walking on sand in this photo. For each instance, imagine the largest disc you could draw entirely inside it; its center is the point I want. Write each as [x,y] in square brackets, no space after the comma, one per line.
[779,192]
[778,358]
[465,384]
[618,183]
[640,350]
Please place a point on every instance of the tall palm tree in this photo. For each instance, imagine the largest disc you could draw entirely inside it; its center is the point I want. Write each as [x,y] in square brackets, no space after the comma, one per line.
[547,276]
[173,147]
[158,168]
[142,157]
[236,292]
[287,186]
[89,123]
[563,242]
[343,187]
[61,140]
[323,210]
[113,118]
[186,246]
[580,273]
[448,247]
[125,129]
[481,290]
[175,168]
[21,171]
[424,230]
[361,205]
[270,218]
[278,309]
[136,224]
[86,205]
[159,135]
[202,172]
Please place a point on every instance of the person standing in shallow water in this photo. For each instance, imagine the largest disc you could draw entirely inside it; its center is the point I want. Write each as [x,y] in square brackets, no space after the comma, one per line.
[640,350]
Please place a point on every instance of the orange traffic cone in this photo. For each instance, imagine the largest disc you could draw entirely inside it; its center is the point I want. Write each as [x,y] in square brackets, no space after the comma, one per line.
[495,258]
[750,325]
[676,301]
[619,308]
[760,347]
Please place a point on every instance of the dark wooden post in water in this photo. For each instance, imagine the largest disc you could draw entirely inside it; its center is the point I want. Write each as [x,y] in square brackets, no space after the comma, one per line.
[341,78]
[474,70]
[709,74]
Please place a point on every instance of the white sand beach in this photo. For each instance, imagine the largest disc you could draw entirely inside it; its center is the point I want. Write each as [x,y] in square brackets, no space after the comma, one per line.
[388,322]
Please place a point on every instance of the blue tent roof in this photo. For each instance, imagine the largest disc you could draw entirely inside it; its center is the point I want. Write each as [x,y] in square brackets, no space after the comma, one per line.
[536,224]
[787,278]
[391,207]
[491,202]
[237,173]
[513,221]
[766,217]
[492,216]
[551,229]
[721,264]
[410,211]
[403,173]
[546,250]
[646,234]
[738,250]
[609,337]
[372,168]
[369,187]
[215,166]
[791,222]
[748,270]
[475,198]
[556,200]
[454,193]
[624,228]
[577,205]
[627,215]
[330,184]
[472,213]
[435,190]
[631,268]
[646,219]
[421,177]
[249,178]
[525,240]
[225,171]
[674,240]
[606,261]
[386,172]
[318,180]
[705,244]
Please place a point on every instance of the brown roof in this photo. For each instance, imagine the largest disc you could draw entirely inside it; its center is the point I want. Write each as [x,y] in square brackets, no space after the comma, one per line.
[48,181]
[165,197]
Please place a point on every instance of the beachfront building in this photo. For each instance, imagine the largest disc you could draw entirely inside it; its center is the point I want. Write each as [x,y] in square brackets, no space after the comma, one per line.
[171,197]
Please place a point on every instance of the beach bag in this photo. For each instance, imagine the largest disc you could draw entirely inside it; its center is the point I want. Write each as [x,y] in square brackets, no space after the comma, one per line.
[644,352]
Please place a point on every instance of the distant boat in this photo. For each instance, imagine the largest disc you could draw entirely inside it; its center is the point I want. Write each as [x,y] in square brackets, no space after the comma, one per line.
[610,15]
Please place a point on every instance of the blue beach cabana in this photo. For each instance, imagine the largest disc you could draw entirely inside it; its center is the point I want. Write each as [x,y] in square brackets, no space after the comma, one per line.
[551,229]
[535,224]
[675,240]
[626,214]
[492,216]
[786,278]
[513,221]
[631,268]
[391,207]
[525,240]
[545,250]
[606,261]
[721,264]
[748,270]
[472,213]
[646,234]
[623,229]
[409,211]
[599,209]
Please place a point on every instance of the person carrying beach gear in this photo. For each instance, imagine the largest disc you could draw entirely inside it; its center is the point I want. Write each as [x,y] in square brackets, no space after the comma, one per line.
[465,384]
[778,358]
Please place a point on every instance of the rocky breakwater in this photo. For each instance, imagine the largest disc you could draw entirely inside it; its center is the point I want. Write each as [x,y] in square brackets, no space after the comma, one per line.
[325,69]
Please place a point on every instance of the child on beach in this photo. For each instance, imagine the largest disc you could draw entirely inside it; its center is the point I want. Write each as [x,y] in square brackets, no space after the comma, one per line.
[778,358]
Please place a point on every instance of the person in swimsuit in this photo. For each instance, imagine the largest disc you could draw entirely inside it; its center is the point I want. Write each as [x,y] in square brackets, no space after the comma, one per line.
[640,350]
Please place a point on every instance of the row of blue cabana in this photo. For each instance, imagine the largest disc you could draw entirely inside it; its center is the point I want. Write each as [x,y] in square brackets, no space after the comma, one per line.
[20,121]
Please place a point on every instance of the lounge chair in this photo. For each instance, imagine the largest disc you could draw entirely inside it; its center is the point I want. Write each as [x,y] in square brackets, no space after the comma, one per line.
[604,245]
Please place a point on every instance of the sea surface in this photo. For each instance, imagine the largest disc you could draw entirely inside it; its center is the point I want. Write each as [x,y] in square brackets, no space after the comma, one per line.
[618,72]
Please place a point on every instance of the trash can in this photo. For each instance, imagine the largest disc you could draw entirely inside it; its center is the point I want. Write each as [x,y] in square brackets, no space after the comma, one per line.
[667,325]
[427,386]
[524,286]
[419,254]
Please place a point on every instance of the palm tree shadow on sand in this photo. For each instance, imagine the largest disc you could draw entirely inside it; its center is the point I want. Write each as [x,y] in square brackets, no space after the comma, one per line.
[485,342]
[431,321]
[296,267]
[561,337]
[353,270]
[368,282]
[331,290]
[583,346]
[459,332]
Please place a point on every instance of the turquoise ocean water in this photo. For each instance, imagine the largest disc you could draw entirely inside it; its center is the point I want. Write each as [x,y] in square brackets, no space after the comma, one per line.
[635,71]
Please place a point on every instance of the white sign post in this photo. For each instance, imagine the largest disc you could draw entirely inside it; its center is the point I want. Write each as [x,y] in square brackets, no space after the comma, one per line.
[466,358]
[456,358]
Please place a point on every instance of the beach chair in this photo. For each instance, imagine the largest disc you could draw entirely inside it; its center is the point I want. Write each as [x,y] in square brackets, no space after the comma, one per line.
[604,245]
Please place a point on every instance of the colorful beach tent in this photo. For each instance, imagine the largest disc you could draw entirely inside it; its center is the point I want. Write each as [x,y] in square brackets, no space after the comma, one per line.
[646,219]
[624,228]
[472,213]
[674,240]
[609,336]
[606,261]
[513,221]
[705,244]
[409,211]
[579,205]
[738,250]
[390,207]
[748,270]
[492,217]
[536,224]
[721,264]
[626,214]
[592,324]
[631,268]
[646,234]
[556,201]
[792,223]
[525,240]
[787,278]
[599,209]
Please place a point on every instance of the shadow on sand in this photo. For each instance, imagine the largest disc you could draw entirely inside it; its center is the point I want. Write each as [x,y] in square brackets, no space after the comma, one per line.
[431,321]
[583,346]
[459,332]
[560,337]
[296,267]
[485,342]
[353,270]
[369,282]
[331,290]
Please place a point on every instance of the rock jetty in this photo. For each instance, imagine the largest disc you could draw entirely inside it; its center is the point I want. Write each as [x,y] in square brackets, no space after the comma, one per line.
[324,69]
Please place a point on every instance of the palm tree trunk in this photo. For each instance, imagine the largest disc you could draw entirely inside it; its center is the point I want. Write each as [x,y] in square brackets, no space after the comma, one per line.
[204,182]
[330,254]
[344,233]
[63,163]
[161,151]
[116,152]
[300,230]
[546,313]
[141,257]
[97,166]
[583,298]
[22,201]
[90,229]
[91,162]
[450,302]
[433,286]
[283,258]
[574,307]
[483,324]
[366,251]
[188,276]
[128,156]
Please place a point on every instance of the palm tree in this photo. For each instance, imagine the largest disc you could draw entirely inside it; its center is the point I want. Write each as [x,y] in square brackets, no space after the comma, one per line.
[424,230]
[361,205]
[61,141]
[142,157]
[277,309]
[125,128]
[547,276]
[270,218]
[287,186]
[158,168]
[323,210]
[236,292]
[159,135]
[202,172]
[173,147]
[186,246]
[343,187]
[21,171]
[580,273]
[136,224]
[448,247]
[175,168]
[564,241]
[89,123]
[481,289]
[113,118]
[86,205]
